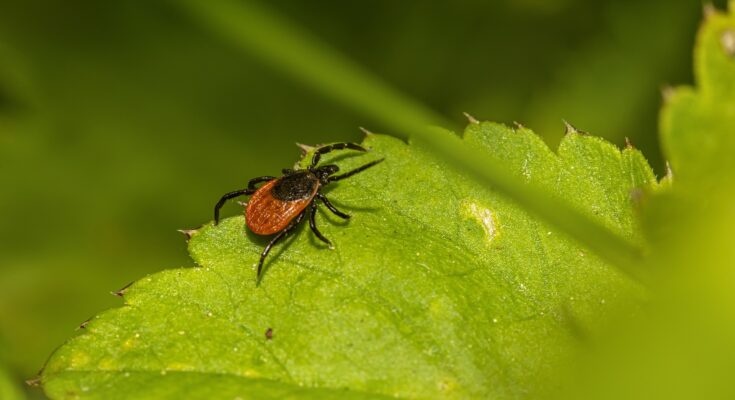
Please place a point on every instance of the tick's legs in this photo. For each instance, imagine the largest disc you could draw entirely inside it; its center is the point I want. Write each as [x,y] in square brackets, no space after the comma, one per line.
[237,193]
[355,171]
[275,240]
[255,181]
[331,207]
[336,146]
[231,195]
[312,224]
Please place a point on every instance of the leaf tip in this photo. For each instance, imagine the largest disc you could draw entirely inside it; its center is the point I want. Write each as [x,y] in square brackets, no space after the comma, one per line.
[470,118]
[628,144]
[305,148]
[366,131]
[570,129]
[519,125]
[189,233]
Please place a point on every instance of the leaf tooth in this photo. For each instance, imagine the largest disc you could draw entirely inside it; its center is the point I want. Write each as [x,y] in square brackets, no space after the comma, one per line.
[519,125]
[366,131]
[628,144]
[84,324]
[471,119]
[189,233]
[305,148]
[121,292]
[570,129]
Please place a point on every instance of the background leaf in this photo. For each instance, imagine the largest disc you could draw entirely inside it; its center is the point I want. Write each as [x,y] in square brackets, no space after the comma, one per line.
[684,347]
[393,310]
[8,388]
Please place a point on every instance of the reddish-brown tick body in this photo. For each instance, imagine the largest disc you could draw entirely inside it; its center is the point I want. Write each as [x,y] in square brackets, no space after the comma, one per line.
[281,203]
[274,205]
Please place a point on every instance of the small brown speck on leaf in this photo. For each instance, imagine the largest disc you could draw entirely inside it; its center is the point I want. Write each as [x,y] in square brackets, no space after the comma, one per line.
[269,333]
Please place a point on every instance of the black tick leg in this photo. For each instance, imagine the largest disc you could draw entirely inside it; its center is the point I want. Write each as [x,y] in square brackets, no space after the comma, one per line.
[312,224]
[255,181]
[227,196]
[331,207]
[336,146]
[355,171]
[275,240]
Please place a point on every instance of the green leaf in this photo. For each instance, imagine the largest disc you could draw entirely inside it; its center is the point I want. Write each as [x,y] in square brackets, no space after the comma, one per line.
[684,347]
[436,288]
[697,123]
[692,225]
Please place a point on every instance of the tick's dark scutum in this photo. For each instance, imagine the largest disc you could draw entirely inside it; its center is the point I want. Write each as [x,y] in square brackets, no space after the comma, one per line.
[297,186]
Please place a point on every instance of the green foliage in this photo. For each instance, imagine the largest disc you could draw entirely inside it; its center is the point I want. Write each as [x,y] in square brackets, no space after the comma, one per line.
[437,287]
[696,123]
[684,348]
[122,121]
[692,225]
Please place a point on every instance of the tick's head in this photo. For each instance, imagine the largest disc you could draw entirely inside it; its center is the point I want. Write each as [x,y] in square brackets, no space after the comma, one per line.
[324,172]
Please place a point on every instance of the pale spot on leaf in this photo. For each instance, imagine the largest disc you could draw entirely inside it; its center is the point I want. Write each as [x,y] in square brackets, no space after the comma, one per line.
[484,216]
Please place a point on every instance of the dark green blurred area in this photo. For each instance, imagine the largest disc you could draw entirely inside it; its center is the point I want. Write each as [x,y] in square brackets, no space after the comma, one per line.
[121,122]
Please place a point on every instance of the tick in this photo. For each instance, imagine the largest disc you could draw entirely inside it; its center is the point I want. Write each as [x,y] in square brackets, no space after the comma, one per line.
[279,205]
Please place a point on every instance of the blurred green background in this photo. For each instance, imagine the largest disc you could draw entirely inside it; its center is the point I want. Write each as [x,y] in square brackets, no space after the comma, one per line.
[121,122]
